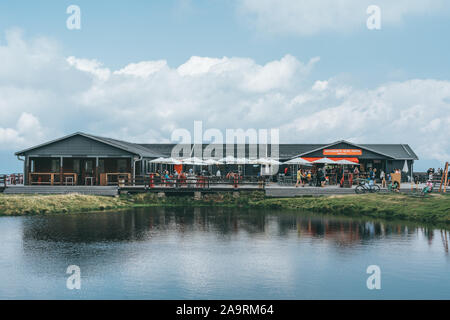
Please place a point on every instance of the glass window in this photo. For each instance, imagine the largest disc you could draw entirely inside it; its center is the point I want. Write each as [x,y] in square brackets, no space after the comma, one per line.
[76,166]
[101,166]
[122,165]
[55,165]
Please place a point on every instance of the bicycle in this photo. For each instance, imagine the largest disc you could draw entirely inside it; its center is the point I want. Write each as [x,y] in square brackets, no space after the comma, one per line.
[364,187]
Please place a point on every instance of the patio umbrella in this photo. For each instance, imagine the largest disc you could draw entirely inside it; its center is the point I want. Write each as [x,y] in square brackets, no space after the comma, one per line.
[299,160]
[265,161]
[346,162]
[228,160]
[325,161]
[158,160]
[165,161]
[194,161]
[212,162]
[405,167]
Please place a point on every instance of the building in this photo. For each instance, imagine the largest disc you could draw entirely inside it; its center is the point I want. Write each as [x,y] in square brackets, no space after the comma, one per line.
[84,159]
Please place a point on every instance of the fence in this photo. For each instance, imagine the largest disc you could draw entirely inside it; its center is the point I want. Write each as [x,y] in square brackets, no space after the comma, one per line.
[201,182]
[11,179]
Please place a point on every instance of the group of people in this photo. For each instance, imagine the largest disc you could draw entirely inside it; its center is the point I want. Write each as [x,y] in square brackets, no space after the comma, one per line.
[308,177]
[319,177]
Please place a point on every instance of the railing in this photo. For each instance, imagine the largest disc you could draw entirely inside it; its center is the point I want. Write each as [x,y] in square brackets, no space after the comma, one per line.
[192,182]
[11,179]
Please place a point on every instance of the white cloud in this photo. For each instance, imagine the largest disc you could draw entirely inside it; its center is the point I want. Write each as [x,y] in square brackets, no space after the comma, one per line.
[90,66]
[320,85]
[27,130]
[145,101]
[304,17]
[142,69]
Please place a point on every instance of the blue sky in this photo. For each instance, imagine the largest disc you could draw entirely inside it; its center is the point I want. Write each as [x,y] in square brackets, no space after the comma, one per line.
[118,32]
[404,60]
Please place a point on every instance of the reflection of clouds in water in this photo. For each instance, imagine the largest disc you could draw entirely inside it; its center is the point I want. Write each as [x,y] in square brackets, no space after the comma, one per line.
[210,253]
[193,246]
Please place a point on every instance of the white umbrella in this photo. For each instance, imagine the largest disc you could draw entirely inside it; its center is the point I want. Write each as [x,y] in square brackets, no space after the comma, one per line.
[298,161]
[325,161]
[228,160]
[346,162]
[242,161]
[158,160]
[405,167]
[172,161]
[265,161]
[211,162]
[194,161]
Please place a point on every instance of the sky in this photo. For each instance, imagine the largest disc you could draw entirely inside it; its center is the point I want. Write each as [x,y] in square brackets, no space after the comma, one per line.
[138,70]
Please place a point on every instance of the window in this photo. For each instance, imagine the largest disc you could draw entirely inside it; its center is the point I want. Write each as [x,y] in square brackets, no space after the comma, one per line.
[122,165]
[55,165]
[76,166]
[101,166]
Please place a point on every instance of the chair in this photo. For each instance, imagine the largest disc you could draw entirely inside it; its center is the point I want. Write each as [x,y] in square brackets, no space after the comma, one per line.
[90,179]
[69,180]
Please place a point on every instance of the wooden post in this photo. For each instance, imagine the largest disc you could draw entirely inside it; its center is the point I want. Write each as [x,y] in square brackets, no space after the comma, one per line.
[96,172]
[26,165]
[444,178]
[61,171]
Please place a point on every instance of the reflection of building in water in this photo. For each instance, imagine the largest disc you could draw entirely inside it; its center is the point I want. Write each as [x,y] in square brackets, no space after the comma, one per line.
[429,234]
[144,224]
[345,231]
[444,238]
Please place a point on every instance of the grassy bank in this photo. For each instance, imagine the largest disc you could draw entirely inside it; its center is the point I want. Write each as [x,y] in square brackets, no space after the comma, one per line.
[431,209]
[42,204]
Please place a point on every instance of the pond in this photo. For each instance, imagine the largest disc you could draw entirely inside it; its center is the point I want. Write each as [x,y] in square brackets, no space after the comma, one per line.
[212,253]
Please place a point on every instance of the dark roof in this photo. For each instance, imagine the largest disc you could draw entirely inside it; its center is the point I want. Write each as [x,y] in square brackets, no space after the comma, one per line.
[396,151]
[123,145]
[286,151]
[127,146]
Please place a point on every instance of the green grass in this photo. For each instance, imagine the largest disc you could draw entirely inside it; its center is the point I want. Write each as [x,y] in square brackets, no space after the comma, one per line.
[430,209]
[42,204]
[434,209]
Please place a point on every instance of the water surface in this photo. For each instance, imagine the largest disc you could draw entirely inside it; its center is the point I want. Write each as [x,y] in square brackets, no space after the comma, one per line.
[211,253]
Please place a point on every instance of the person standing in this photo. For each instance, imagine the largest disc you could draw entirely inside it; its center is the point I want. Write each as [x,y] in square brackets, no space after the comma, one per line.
[299,177]
[371,177]
[383,179]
